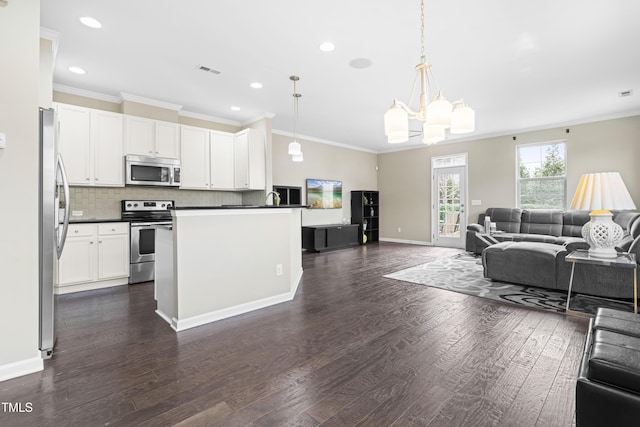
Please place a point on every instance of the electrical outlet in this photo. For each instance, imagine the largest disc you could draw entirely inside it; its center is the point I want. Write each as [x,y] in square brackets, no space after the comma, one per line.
[399,230]
[278,269]
[77,213]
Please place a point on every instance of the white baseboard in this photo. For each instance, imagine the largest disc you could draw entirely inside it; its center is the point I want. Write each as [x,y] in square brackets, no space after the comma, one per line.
[213,316]
[409,242]
[20,368]
[67,289]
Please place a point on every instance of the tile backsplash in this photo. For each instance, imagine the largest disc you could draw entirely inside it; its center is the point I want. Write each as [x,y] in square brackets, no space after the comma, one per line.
[104,203]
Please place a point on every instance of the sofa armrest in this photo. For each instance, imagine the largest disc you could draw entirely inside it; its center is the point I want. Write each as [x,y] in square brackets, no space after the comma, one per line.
[575,243]
[475,227]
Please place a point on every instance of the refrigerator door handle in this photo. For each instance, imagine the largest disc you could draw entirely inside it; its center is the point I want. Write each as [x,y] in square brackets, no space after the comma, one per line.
[62,238]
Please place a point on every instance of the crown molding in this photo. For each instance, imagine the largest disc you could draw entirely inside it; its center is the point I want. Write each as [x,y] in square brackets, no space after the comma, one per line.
[209,118]
[54,36]
[87,93]
[149,101]
[266,115]
[323,141]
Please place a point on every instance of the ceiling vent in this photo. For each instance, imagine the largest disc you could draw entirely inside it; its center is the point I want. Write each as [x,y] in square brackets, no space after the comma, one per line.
[625,93]
[208,69]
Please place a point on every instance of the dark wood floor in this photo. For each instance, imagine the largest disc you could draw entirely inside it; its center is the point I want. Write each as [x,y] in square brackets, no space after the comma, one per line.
[353,348]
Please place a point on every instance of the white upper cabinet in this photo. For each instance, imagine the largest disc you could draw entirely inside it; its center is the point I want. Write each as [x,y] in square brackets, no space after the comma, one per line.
[74,143]
[108,146]
[91,144]
[167,140]
[194,172]
[249,160]
[221,160]
[147,137]
[140,136]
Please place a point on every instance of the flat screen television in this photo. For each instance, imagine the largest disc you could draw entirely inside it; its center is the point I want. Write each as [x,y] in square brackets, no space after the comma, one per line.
[324,194]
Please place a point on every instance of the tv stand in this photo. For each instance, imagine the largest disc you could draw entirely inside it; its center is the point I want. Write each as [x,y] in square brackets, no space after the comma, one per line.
[328,237]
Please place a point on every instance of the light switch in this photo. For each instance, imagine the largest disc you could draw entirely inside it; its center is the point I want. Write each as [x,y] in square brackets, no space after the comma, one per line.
[476,202]
[3,140]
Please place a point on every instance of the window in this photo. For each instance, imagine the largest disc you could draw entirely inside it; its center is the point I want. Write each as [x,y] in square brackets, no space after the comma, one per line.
[542,175]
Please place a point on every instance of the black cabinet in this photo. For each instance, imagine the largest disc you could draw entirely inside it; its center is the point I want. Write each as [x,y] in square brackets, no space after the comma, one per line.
[364,212]
[320,238]
[289,195]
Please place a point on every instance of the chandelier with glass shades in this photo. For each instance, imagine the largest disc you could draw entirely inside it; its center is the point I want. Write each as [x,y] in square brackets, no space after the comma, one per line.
[437,115]
[295,149]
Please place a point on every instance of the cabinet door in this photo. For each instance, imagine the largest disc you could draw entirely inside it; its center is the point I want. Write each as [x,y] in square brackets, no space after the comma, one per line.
[74,143]
[108,143]
[221,161]
[139,136]
[113,256]
[257,160]
[78,261]
[241,160]
[194,154]
[167,140]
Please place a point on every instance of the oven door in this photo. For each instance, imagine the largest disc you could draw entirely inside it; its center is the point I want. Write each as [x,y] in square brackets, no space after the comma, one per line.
[143,242]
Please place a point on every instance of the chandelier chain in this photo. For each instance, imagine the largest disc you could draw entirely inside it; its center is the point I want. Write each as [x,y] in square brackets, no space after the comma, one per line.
[422,56]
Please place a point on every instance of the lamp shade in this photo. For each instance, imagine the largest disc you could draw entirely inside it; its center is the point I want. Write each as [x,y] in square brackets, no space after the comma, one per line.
[602,191]
[432,134]
[295,148]
[439,113]
[463,119]
[396,124]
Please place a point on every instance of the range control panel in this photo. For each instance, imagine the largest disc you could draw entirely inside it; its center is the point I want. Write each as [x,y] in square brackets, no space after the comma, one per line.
[146,205]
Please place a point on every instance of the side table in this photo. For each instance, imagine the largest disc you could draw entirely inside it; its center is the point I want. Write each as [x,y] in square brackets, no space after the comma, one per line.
[622,260]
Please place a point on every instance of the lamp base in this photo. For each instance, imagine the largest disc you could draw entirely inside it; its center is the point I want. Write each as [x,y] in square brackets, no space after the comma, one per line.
[602,234]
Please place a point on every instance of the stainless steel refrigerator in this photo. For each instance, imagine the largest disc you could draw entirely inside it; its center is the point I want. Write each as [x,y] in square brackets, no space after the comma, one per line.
[53,225]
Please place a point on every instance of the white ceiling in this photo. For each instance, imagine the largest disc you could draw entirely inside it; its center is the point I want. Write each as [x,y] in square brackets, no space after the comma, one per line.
[520,64]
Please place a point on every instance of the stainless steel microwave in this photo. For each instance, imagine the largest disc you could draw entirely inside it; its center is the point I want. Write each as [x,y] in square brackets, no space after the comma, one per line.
[152,171]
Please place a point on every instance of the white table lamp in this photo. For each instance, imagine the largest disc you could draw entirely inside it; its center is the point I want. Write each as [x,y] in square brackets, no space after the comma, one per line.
[599,192]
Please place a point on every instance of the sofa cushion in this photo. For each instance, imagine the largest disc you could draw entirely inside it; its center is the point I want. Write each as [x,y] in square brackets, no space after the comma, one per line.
[542,221]
[573,221]
[625,219]
[615,360]
[506,219]
[525,263]
[621,322]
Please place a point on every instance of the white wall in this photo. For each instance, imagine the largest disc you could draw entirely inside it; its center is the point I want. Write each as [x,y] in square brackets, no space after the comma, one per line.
[19,50]
[405,181]
[356,169]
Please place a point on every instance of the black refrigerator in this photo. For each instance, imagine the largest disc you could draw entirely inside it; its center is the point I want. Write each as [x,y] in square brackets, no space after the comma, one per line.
[53,225]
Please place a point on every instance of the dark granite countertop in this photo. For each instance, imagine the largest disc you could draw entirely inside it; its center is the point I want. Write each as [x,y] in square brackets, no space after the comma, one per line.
[95,220]
[181,208]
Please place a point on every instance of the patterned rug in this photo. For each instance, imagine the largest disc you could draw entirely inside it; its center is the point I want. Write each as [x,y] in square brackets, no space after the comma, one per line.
[463,273]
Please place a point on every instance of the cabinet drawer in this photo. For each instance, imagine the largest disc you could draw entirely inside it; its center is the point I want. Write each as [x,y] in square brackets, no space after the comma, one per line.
[77,230]
[113,228]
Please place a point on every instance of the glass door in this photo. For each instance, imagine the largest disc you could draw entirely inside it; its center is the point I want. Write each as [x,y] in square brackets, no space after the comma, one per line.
[449,192]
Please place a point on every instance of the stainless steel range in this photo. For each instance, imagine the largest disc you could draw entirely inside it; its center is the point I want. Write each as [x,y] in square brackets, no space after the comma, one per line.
[145,217]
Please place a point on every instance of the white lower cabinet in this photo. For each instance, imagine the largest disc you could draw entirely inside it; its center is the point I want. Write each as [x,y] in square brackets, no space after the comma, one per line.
[95,256]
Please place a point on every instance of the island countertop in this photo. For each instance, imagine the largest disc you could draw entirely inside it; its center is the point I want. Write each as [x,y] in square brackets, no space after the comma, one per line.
[180,208]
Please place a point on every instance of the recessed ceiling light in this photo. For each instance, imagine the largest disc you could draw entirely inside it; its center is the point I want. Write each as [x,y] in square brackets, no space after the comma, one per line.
[327,47]
[256,85]
[90,22]
[77,70]
[234,108]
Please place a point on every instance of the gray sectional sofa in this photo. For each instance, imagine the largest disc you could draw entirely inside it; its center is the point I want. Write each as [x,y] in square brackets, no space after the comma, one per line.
[531,245]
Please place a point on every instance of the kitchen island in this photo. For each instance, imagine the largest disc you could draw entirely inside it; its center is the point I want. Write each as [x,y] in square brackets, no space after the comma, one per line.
[222,261]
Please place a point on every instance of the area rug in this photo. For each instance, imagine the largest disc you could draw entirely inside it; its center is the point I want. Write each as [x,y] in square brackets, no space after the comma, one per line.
[463,273]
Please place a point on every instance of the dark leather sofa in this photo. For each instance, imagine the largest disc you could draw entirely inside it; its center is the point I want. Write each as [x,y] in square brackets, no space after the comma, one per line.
[608,385]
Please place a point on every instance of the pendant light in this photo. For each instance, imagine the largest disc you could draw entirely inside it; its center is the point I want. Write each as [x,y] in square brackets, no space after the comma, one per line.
[295,149]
